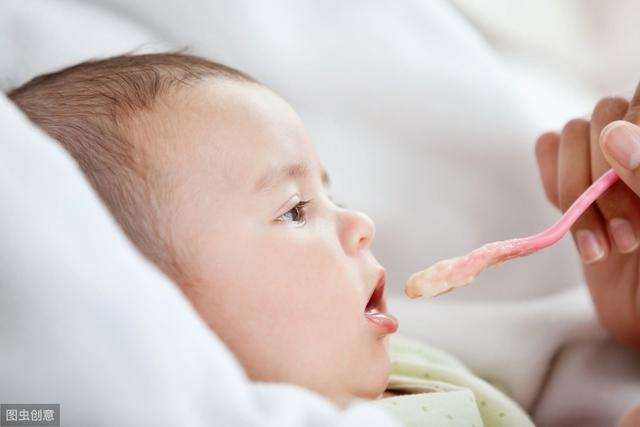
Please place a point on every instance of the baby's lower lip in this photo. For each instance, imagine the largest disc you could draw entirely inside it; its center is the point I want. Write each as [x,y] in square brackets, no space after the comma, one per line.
[383,322]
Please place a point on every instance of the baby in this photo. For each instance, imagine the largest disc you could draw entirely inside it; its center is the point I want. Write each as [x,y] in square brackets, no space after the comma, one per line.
[213,177]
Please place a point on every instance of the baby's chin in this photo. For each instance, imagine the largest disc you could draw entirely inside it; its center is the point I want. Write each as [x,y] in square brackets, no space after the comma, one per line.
[366,381]
[375,384]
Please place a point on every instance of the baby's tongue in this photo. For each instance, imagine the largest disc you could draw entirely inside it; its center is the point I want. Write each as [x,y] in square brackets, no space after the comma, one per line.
[384,322]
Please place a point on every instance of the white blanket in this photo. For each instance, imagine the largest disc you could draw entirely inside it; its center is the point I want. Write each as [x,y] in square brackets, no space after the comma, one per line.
[420,126]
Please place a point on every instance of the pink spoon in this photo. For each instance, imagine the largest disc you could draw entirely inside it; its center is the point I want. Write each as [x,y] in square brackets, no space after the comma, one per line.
[451,273]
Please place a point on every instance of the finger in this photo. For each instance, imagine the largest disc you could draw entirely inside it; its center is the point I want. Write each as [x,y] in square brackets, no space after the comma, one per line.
[620,144]
[633,113]
[605,112]
[574,176]
[619,206]
[547,158]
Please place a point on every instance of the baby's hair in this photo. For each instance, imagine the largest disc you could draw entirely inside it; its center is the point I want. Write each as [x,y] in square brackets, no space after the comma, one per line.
[90,109]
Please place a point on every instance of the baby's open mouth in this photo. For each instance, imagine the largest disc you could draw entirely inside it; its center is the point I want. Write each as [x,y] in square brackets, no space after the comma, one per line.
[376,307]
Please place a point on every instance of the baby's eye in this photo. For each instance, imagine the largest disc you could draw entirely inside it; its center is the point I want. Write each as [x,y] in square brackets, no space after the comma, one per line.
[295,214]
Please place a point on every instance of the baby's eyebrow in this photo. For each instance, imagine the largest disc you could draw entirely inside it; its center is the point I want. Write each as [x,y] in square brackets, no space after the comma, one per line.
[275,176]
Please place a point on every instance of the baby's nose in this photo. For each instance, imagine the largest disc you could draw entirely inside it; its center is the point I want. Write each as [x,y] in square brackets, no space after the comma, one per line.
[357,230]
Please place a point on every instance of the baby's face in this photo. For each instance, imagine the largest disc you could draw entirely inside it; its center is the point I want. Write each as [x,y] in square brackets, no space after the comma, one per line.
[277,270]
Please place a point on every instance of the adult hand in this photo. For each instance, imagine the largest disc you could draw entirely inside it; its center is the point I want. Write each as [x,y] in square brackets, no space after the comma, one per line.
[607,235]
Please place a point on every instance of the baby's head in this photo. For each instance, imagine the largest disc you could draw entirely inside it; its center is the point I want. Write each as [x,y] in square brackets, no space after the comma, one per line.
[214,179]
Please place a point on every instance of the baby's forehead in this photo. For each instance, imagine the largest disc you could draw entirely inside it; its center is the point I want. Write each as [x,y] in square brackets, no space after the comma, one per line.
[238,132]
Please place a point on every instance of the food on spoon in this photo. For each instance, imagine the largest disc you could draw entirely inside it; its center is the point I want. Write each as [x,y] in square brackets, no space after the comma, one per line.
[451,273]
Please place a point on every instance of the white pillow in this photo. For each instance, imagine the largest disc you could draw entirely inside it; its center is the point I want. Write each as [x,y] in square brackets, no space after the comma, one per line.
[41,36]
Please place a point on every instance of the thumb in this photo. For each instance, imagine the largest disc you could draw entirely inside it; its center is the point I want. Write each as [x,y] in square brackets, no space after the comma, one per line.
[620,144]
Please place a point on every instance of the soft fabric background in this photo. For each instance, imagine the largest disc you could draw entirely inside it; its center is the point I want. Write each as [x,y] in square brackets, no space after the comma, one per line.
[425,114]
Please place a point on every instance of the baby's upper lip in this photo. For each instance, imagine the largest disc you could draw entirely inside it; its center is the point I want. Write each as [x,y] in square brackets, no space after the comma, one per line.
[376,296]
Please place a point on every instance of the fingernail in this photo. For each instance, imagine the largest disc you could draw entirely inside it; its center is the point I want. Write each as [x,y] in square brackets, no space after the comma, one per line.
[590,249]
[623,235]
[621,140]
